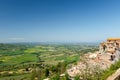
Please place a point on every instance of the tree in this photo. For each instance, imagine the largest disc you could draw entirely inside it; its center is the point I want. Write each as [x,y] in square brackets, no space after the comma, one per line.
[67,76]
[33,74]
[46,72]
[56,77]
[37,73]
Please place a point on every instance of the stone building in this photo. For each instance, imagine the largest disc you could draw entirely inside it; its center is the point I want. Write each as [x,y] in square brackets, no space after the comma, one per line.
[111,46]
[108,54]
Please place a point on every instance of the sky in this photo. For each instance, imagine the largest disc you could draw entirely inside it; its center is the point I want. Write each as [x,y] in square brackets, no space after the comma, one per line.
[59,20]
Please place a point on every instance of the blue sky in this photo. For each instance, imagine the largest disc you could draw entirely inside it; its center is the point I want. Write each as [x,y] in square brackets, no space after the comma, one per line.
[59,20]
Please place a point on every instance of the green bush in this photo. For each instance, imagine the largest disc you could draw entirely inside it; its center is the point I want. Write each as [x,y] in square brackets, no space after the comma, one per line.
[77,77]
[56,77]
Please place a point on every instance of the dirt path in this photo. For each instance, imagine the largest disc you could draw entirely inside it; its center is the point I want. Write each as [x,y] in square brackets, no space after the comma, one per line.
[114,75]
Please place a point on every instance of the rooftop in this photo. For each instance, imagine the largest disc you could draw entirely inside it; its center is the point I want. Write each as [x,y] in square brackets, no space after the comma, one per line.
[113,39]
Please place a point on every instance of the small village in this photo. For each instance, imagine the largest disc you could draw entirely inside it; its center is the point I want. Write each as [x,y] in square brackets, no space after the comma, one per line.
[108,54]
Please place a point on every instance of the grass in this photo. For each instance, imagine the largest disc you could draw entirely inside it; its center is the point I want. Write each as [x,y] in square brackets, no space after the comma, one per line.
[19,59]
[60,57]
[39,49]
[73,59]
[19,77]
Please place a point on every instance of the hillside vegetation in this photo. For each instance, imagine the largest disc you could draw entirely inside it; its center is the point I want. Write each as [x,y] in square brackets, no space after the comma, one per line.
[39,61]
